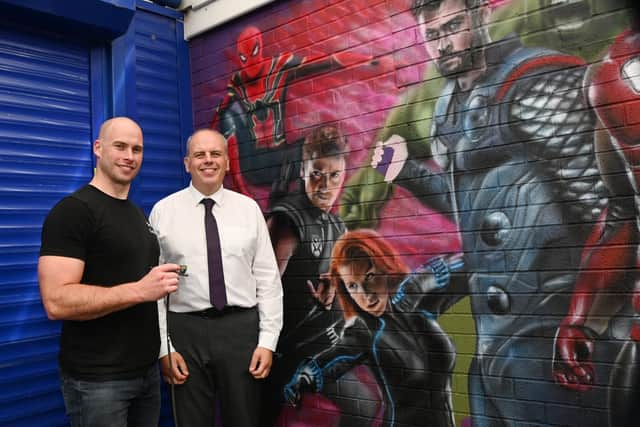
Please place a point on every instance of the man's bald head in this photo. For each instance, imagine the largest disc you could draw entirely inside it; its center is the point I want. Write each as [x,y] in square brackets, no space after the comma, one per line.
[206,132]
[118,150]
[207,160]
[116,123]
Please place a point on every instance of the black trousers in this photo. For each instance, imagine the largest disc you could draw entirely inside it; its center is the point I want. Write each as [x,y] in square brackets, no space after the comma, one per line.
[217,351]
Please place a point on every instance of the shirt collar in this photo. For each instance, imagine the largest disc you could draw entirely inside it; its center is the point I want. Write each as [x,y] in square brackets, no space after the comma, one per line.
[197,196]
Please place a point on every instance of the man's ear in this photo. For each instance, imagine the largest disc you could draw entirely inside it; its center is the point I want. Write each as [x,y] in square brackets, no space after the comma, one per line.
[97,146]
[186,164]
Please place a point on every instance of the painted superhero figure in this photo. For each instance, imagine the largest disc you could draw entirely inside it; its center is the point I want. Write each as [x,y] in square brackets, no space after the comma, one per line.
[512,141]
[389,322]
[303,231]
[555,24]
[251,114]
[607,291]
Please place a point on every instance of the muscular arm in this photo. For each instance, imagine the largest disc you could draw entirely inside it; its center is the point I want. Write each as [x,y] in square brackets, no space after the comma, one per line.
[65,298]
[366,192]
[363,197]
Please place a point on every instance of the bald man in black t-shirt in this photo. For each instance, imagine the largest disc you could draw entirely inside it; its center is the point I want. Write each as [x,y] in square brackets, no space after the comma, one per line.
[98,273]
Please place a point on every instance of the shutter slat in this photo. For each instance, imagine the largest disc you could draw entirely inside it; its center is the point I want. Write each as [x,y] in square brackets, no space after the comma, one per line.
[45,153]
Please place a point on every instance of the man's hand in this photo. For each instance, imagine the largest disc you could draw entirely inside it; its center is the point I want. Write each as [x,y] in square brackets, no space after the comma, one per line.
[158,283]
[260,365]
[572,364]
[323,293]
[177,373]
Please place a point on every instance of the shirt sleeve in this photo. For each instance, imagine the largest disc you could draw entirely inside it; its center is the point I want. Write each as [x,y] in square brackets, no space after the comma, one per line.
[268,286]
[165,341]
[66,229]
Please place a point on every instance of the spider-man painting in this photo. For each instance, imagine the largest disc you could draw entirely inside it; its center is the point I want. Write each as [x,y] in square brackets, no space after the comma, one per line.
[252,112]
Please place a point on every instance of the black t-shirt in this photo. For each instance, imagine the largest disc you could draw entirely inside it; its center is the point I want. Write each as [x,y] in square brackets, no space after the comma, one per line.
[117,244]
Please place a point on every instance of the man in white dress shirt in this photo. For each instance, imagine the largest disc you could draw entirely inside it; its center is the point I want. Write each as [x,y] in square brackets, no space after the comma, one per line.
[217,352]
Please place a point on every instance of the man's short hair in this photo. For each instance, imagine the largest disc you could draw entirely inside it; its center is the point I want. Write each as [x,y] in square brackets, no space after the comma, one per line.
[474,8]
[324,141]
[188,144]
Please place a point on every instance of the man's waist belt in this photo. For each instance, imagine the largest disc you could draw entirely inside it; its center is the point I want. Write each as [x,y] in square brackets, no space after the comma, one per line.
[212,312]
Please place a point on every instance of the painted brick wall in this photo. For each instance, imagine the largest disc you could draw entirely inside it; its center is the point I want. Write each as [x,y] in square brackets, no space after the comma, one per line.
[482,158]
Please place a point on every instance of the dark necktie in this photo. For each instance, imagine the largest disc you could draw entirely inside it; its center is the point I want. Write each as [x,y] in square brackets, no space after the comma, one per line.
[217,294]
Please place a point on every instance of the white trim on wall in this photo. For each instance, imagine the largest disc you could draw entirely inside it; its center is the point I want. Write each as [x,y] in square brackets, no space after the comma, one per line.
[203,15]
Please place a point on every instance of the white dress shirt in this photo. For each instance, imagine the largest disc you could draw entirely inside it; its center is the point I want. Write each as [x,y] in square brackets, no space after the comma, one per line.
[250,269]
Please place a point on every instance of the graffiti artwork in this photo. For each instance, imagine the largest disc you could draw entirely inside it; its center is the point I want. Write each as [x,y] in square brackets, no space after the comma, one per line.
[609,261]
[451,188]
[386,308]
[252,113]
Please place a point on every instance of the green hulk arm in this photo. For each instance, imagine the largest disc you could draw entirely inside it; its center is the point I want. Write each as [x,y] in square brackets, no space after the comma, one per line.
[366,192]
[538,24]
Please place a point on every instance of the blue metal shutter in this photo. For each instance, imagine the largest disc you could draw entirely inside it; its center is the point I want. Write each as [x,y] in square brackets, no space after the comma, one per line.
[163,109]
[45,153]
[161,97]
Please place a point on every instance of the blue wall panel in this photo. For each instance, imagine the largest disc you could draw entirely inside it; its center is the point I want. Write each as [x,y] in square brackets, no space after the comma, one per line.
[45,136]
[163,109]
[160,104]
[54,91]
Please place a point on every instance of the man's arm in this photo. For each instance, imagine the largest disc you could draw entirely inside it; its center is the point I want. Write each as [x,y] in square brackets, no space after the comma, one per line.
[174,368]
[65,298]
[269,297]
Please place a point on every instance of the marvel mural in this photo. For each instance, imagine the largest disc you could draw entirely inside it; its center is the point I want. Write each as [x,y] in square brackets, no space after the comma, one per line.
[451,189]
